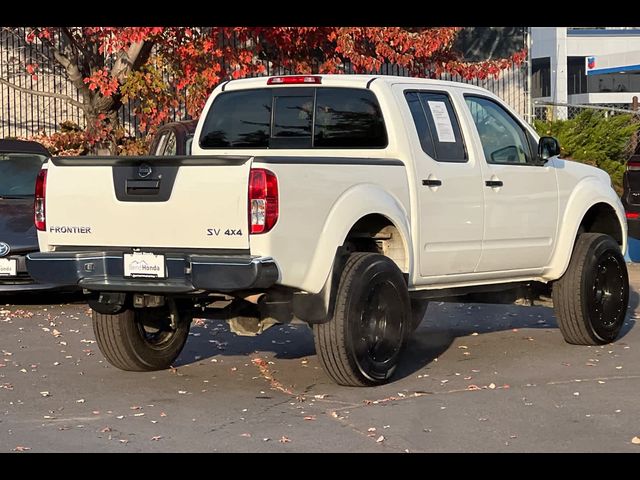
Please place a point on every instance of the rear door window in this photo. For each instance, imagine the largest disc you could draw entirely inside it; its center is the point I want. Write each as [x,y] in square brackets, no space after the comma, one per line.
[437,126]
[295,118]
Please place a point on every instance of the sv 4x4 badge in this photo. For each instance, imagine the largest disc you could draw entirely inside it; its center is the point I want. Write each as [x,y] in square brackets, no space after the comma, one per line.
[218,231]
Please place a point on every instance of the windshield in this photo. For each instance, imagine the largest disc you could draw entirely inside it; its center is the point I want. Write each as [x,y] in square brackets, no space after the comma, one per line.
[18,172]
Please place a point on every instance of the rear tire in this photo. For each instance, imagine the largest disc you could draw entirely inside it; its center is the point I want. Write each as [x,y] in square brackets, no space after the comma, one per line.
[140,340]
[361,344]
[590,300]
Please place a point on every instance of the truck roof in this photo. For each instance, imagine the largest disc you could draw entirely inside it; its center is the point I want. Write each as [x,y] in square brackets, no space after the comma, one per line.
[348,80]
[22,146]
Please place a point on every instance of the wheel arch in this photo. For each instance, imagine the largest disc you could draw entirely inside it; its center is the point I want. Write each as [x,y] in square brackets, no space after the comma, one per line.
[361,209]
[591,209]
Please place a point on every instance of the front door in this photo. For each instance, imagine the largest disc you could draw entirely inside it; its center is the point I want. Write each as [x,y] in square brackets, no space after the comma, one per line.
[521,195]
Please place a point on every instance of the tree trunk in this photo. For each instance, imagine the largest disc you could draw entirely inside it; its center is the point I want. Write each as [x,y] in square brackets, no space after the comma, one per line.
[102,122]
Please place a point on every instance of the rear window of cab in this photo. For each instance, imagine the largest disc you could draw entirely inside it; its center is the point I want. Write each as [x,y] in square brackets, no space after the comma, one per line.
[294,117]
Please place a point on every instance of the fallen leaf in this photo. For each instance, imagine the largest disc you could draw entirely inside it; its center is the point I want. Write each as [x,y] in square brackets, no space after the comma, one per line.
[492,386]
[248,435]
[473,387]
[635,440]
[310,417]
[138,414]
[45,394]
[371,429]
[21,448]
[380,439]
[106,429]
[120,417]
[156,438]
[162,414]
[320,397]
[56,333]
[80,400]
[284,439]
[135,407]
[125,441]
[576,394]
[182,392]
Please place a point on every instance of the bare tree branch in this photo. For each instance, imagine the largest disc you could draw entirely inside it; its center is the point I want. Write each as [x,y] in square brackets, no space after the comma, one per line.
[61,96]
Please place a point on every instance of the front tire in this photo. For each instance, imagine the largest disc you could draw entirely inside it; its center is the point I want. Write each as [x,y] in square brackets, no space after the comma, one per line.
[140,340]
[590,299]
[361,344]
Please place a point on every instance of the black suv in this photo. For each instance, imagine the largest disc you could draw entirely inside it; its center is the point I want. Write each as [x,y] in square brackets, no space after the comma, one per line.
[631,195]
[20,163]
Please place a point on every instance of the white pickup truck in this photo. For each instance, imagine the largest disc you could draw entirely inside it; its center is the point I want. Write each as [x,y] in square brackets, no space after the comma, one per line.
[347,201]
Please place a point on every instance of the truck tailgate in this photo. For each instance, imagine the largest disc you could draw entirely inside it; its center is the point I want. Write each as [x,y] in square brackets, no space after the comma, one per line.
[177,202]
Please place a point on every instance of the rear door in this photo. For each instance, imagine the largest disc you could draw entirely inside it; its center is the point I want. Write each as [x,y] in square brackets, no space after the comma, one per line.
[448,184]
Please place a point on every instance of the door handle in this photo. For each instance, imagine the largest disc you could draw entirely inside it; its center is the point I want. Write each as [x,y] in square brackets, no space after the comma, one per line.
[493,183]
[430,182]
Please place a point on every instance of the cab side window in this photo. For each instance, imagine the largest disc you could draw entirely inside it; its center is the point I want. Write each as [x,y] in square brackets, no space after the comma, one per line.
[503,139]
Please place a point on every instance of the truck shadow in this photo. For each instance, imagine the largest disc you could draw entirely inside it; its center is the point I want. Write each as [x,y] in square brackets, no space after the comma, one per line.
[41,298]
[443,324]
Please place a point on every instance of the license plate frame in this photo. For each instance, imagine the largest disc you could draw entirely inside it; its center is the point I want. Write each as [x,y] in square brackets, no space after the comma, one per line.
[144,265]
[8,267]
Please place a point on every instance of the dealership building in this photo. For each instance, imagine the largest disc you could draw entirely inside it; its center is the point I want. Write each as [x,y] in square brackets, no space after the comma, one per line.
[585,66]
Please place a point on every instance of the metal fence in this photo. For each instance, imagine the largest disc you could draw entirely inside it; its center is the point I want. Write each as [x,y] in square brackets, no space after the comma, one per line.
[36,106]
[550,111]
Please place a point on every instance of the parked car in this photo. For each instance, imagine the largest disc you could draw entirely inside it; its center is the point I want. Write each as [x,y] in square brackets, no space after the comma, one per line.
[173,138]
[631,195]
[20,163]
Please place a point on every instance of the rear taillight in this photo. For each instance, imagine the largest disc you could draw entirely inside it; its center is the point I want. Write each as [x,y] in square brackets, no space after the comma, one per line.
[294,79]
[39,206]
[633,165]
[263,200]
[633,215]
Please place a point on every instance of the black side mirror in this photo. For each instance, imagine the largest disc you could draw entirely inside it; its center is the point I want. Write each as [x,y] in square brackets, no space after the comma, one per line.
[548,147]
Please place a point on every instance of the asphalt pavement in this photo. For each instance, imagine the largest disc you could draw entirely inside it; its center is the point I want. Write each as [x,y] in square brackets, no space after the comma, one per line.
[474,378]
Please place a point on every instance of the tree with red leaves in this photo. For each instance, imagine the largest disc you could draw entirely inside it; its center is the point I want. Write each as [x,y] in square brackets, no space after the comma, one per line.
[110,64]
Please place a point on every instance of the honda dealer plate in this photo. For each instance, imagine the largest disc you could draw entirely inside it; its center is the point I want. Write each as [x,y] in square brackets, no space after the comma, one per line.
[144,265]
[8,267]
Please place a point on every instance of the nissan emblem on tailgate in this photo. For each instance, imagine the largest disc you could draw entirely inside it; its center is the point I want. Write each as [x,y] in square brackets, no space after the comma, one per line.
[144,170]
